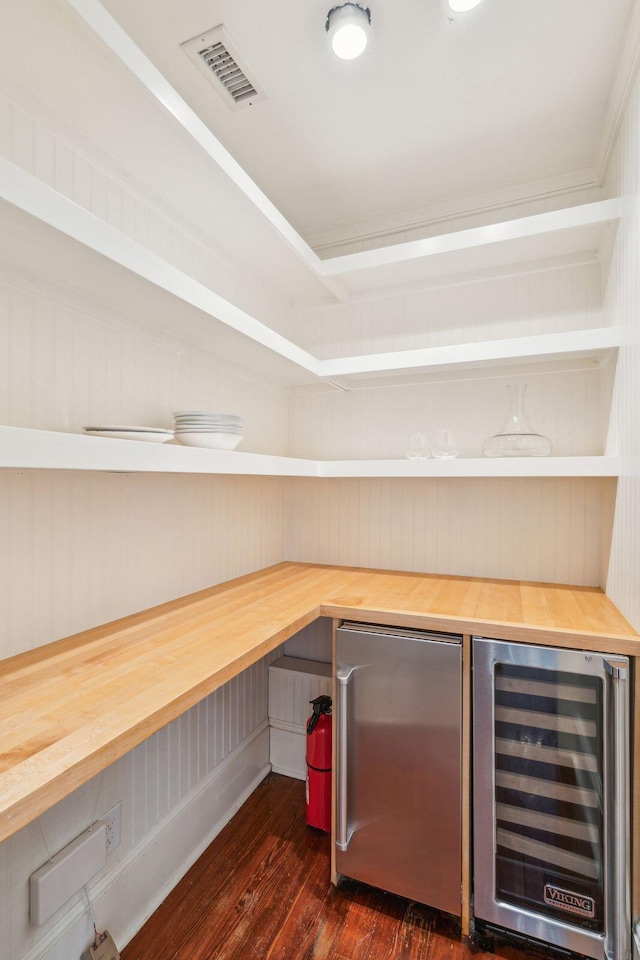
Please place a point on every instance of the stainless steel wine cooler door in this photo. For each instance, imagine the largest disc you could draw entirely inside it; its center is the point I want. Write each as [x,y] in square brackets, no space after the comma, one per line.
[551,796]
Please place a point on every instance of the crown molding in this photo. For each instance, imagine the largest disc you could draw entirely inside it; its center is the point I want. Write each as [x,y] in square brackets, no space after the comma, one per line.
[620,91]
[451,211]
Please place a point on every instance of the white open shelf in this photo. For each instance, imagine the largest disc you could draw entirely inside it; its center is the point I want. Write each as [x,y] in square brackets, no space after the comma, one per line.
[596,345]
[581,231]
[22,448]
[48,234]
[474,467]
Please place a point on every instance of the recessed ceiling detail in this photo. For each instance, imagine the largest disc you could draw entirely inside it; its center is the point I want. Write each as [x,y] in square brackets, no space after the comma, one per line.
[216,56]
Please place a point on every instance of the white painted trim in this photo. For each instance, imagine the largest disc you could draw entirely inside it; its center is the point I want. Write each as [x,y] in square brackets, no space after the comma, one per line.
[121,44]
[622,84]
[149,866]
[554,187]
[25,449]
[485,352]
[538,225]
[292,772]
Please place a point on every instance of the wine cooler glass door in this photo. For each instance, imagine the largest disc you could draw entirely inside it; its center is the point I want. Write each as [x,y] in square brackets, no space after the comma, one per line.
[544,794]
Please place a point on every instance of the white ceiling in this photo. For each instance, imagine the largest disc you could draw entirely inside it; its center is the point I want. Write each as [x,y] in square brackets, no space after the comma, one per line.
[512,94]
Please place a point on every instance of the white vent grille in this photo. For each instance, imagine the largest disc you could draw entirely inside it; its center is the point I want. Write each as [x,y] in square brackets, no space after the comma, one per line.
[216,56]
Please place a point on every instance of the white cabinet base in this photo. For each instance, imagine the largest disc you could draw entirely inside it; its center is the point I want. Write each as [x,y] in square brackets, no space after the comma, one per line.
[293,683]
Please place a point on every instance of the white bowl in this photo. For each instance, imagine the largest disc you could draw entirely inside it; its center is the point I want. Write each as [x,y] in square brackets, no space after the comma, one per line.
[214,441]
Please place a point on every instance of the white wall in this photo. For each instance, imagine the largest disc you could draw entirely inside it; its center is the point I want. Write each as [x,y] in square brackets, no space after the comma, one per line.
[622,306]
[377,422]
[80,549]
[526,304]
[528,529]
[67,362]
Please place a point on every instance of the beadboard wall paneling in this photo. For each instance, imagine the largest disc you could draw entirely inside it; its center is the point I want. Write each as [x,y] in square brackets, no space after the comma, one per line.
[100,186]
[549,301]
[371,423]
[66,362]
[555,530]
[80,549]
[622,306]
[151,782]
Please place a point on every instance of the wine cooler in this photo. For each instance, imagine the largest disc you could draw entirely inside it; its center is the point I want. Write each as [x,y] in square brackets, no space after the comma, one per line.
[551,796]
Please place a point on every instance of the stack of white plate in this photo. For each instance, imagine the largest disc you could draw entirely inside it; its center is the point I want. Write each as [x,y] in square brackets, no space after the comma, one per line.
[218,431]
[150,434]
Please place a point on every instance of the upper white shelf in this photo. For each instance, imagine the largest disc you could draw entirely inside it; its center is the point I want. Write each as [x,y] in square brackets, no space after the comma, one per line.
[593,344]
[585,231]
[48,234]
[26,449]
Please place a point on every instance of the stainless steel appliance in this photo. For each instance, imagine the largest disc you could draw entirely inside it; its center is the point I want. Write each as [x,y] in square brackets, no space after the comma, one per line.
[398,783]
[551,795]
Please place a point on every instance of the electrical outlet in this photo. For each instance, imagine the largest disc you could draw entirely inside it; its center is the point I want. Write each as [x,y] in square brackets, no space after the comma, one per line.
[111,820]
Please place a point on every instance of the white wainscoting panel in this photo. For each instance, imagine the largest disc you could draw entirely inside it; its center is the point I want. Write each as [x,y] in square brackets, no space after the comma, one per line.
[377,423]
[177,790]
[556,530]
[622,306]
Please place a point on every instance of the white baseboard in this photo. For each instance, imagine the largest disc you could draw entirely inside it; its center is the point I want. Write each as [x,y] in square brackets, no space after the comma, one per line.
[124,899]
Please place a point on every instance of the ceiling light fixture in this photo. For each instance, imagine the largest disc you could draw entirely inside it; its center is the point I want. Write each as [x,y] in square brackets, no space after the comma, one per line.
[348,27]
[461,6]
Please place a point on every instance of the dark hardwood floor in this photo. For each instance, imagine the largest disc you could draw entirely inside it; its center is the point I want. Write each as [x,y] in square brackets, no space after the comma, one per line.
[261,891]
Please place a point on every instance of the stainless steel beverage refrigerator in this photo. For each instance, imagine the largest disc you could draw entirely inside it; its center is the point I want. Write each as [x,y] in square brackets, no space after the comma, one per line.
[551,796]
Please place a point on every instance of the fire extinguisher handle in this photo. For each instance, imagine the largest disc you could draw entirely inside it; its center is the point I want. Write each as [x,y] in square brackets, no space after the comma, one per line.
[321,704]
[343,675]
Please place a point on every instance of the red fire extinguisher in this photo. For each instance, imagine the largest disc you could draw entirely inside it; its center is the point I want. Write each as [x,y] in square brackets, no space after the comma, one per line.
[319,765]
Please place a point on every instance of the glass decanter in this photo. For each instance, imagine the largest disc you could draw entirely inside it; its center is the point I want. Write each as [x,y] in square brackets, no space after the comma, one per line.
[516,438]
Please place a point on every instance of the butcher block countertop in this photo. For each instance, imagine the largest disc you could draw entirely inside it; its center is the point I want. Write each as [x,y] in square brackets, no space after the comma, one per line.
[71,708]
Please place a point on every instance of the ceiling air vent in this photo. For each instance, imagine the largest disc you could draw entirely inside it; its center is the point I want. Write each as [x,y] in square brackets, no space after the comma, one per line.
[215,54]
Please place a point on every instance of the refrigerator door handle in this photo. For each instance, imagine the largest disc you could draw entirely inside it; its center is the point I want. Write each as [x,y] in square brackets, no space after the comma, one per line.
[343,675]
[618,940]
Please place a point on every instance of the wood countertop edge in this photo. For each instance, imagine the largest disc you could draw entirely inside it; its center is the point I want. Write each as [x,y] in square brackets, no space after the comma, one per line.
[492,629]
[53,777]
[33,785]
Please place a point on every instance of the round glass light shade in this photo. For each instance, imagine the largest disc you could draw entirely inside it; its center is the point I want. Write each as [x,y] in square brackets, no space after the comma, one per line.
[461,6]
[348,31]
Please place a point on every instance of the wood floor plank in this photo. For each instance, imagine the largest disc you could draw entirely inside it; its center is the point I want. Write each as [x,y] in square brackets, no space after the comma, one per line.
[261,891]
